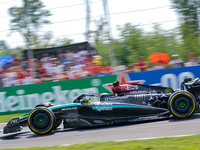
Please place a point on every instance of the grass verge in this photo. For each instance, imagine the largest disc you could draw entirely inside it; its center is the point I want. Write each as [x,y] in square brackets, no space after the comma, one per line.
[6,118]
[171,143]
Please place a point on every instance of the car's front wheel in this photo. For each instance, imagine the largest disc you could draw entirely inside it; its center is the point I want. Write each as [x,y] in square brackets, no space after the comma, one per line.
[182,104]
[41,120]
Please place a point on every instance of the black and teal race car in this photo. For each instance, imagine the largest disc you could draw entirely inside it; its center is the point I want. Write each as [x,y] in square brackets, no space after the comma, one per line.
[128,103]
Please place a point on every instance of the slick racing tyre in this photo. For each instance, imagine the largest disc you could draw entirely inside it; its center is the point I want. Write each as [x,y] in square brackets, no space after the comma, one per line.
[41,120]
[182,104]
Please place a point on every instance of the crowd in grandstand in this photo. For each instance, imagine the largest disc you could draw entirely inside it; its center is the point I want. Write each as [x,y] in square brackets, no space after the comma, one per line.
[68,64]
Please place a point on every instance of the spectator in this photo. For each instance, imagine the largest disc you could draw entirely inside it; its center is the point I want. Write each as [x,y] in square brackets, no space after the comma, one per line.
[141,64]
[97,59]
[46,64]
[38,58]
[120,68]
[82,51]
[60,55]
[28,80]
[191,60]
[129,69]
[70,74]
[25,63]
[69,54]
[175,61]
[59,68]
[150,67]
[45,57]
[91,51]
[159,66]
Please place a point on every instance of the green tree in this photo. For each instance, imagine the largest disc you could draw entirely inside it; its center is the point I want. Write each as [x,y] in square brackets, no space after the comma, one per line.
[6,50]
[28,19]
[62,42]
[103,50]
[4,47]
[163,41]
[189,37]
[42,41]
[134,43]
[46,40]
[188,9]
[189,26]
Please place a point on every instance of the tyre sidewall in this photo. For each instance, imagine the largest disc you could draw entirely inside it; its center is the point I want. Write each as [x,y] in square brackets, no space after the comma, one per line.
[177,97]
[49,120]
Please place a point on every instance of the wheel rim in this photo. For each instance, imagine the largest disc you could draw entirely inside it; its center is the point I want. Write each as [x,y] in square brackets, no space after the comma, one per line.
[182,105]
[41,120]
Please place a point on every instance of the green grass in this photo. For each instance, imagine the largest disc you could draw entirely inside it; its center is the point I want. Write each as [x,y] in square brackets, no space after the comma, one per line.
[176,143]
[6,118]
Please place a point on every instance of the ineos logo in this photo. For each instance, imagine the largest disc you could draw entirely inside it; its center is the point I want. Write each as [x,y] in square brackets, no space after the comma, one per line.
[95,82]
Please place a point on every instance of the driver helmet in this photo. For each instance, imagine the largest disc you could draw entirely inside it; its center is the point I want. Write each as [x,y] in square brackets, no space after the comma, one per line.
[87,101]
[116,83]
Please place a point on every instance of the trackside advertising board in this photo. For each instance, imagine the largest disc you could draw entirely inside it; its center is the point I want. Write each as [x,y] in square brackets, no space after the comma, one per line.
[26,97]
[166,78]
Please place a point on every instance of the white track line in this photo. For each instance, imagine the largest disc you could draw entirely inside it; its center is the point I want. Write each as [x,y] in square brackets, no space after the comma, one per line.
[155,137]
[143,138]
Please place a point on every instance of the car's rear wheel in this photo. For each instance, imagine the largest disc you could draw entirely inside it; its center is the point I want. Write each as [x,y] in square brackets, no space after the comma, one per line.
[41,120]
[182,104]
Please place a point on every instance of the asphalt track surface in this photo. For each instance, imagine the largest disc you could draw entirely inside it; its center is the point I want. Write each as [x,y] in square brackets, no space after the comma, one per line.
[161,128]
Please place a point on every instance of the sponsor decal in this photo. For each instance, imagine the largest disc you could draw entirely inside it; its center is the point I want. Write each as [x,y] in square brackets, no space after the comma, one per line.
[14,121]
[123,80]
[129,87]
[168,90]
[99,108]
[142,92]
[115,98]
[104,108]
[95,82]
[110,107]
[71,108]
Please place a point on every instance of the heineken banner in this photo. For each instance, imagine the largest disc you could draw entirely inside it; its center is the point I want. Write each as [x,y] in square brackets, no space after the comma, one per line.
[26,97]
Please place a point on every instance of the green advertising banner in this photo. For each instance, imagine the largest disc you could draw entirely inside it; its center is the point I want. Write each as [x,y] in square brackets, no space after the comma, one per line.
[26,97]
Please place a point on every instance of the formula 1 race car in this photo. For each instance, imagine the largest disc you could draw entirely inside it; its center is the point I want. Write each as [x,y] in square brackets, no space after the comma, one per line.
[128,103]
